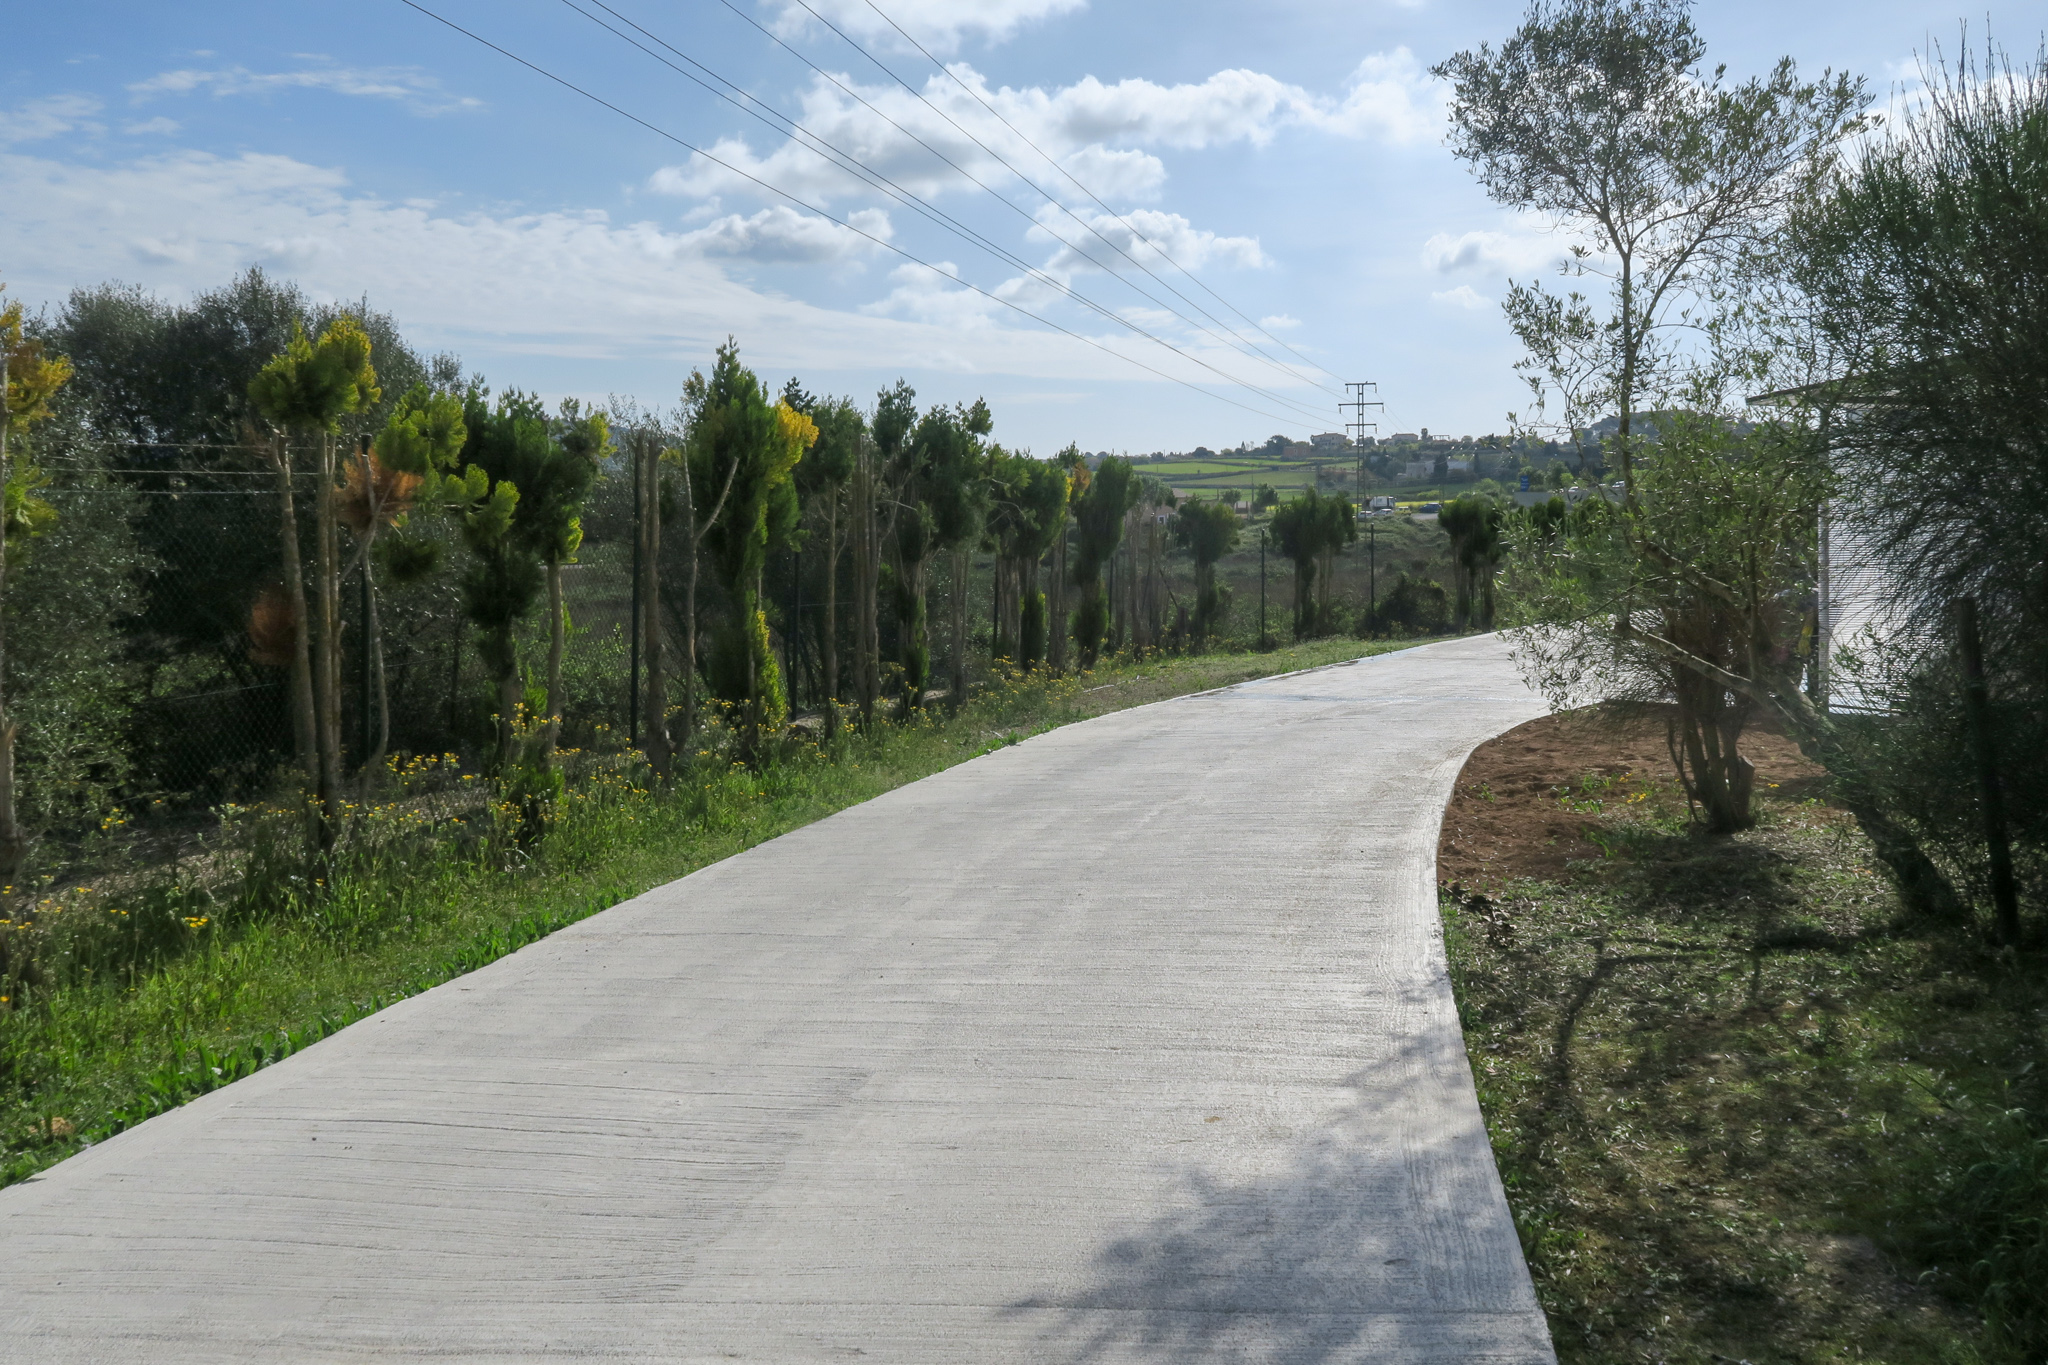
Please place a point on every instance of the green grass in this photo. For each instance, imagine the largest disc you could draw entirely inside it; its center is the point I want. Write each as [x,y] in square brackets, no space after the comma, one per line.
[159,988]
[1744,1112]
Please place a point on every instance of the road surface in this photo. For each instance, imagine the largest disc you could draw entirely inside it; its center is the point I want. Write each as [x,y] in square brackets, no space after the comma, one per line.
[1131,1043]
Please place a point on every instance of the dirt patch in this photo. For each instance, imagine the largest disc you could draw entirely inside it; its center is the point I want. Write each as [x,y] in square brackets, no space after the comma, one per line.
[1531,802]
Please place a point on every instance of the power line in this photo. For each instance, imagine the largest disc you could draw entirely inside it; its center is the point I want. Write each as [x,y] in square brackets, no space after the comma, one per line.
[1219,330]
[781,193]
[1071,179]
[844,160]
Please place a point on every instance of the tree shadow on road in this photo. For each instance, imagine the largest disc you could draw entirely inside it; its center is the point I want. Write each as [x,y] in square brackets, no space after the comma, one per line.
[1379,1236]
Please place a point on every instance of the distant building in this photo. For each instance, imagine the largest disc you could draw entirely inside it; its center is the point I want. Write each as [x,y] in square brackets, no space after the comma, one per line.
[1418,469]
[1459,464]
[1330,440]
[1406,437]
[1297,450]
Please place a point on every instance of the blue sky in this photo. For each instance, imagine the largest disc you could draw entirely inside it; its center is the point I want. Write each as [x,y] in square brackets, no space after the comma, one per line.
[1289,154]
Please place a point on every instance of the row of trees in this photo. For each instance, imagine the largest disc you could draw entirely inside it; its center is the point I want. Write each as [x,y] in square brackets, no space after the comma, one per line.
[284,510]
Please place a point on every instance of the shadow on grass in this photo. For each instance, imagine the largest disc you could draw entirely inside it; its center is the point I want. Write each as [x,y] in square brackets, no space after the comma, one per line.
[1702,1062]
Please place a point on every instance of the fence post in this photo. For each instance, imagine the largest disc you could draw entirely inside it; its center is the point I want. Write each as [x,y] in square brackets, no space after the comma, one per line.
[1977,702]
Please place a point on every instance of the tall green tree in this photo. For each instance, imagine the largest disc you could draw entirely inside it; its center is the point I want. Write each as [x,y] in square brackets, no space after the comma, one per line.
[1111,492]
[1924,268]
[307,390]
[950,479]
[823,479]
[412,461]
[742,442]
[1474,524]
[508,447]
[1310,529]
[1060,632]
[1669,180]
[1028,510]
[29,379]
[879,510]
[1207,531]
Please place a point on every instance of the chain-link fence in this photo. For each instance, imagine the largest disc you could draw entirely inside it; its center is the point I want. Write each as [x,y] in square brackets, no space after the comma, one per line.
[139,682]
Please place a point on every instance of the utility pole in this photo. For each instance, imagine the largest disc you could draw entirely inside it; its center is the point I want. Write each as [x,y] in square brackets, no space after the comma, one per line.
[1356,402]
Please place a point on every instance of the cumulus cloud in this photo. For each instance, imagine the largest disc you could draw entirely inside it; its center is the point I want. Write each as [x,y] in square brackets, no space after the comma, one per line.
[933,295]
[781,234]
[51,116]
[1500,252]
[939,25]
[560,285]
[1464,296]
[415,89]
[1278,321]
[1090,241]
[1098,132]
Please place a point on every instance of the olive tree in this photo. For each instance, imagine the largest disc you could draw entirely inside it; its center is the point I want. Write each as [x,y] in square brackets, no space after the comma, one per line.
[1695,591]
[1666,178]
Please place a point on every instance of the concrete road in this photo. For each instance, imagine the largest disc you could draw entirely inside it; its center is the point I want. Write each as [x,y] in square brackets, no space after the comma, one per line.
[1131,1043]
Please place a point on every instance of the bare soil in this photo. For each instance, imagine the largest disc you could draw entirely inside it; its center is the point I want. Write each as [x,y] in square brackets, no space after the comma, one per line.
[1527,800]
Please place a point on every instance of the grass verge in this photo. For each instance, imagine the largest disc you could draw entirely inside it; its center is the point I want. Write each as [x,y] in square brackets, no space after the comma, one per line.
[1742,1109]
[169,986]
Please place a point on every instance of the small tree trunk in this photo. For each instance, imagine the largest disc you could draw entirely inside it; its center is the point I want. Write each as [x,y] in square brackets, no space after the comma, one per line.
[376,759]
[958,595]
[13,847]
[305,734]
[327,648]
[1991,796]
[867,567]
[1057,628]
[829,638]
[689,609]
[558,634]
[654,701]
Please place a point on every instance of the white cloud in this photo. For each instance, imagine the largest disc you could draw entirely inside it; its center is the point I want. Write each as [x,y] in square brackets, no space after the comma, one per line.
[939,25]
[1098,132]
[1390,97]
[1111,242]
[151,127]
[418,91]
[1500,252]
[782,234]
[1464,296]
[563,286]
[51,116]
[932,295]
[1279,321]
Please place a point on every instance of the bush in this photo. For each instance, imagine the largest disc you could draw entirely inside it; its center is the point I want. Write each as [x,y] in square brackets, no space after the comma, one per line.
[1413,606]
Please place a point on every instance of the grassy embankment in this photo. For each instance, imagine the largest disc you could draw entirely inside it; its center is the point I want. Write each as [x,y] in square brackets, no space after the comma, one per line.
[1744,1109]
[159,987]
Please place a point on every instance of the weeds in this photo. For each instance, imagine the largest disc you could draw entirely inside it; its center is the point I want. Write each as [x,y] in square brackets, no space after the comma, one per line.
[1742,1113]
